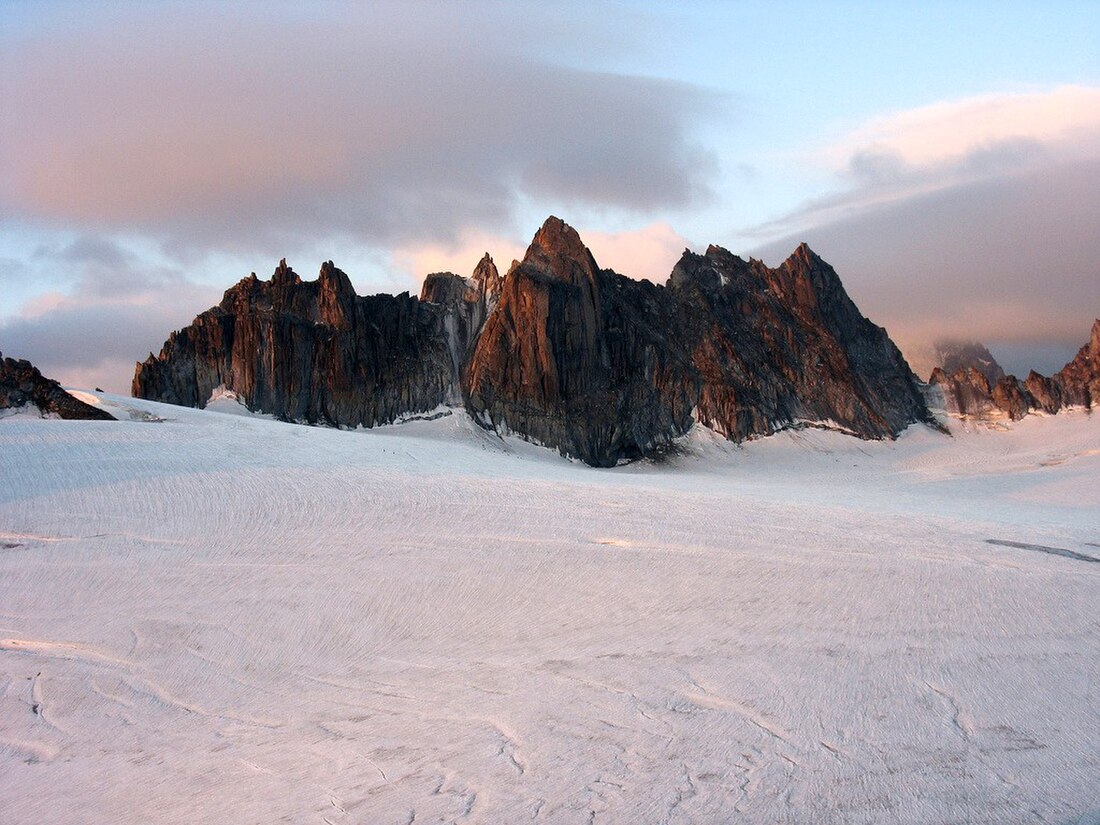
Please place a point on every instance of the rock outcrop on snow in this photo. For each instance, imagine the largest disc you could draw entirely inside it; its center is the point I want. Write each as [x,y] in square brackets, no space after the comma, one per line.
[969,394]
[559,351]
[22,386]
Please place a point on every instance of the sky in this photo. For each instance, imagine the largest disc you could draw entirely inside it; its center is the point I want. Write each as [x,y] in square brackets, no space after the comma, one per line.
[944,157]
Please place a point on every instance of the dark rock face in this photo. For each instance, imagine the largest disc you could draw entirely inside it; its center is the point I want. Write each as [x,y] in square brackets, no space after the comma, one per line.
[775,347]
[966,391]
[22,384]
[467,303]
[1079,380]
[1009,395]
[1077,384]
[953,355]
[308,351]
[578,358]
[597,365]
[607,368]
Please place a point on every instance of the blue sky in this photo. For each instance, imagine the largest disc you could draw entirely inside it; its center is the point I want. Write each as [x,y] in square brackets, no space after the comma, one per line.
[944,157]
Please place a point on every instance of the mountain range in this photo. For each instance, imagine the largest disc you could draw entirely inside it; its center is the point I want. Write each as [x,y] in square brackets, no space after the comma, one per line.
[974,385]
[602,367]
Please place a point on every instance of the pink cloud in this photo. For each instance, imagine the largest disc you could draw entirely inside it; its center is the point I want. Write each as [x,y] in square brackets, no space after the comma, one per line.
[650,252]
[215,131]
[1067,117]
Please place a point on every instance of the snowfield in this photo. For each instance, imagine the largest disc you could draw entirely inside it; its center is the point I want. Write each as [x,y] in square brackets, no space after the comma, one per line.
[218,618]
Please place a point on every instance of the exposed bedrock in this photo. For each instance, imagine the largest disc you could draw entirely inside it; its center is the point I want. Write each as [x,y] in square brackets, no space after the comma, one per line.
[968,394]
[559,351]
[309,351]
[22,385]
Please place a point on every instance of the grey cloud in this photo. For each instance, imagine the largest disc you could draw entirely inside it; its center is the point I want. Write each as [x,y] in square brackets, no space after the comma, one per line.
[879,167]
[1010,260]
[97,266]
[96,343]
[95,250]
[117,310]
[228,133]
[873,166]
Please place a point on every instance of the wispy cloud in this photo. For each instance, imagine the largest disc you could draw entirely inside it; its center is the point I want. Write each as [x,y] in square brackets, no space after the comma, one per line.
[919,151]
[947,133]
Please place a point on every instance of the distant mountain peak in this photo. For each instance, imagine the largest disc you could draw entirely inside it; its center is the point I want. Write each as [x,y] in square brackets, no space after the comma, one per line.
[1077,384]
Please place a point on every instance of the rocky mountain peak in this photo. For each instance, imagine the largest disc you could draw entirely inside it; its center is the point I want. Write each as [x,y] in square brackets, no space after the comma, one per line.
[805,263]
[595,364]
[446,287]
[955,354]
[710,271]
[487,277]
[558,251]
[336,296]
[284,274]
[335,281]
[806,255]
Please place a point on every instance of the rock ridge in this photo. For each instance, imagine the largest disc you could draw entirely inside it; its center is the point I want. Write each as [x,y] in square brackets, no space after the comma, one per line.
[969,393]
[582,359]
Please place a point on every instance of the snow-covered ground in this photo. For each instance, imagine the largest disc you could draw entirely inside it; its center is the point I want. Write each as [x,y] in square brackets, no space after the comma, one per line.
[221,619]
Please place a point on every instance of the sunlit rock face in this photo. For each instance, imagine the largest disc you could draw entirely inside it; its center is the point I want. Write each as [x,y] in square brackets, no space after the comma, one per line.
[22,387]
[1079,381]
[608,368]
[599,366]
[580,359]
[969,394]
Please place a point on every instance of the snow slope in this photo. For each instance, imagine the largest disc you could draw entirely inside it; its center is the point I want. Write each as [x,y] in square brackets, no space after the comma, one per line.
[218,618]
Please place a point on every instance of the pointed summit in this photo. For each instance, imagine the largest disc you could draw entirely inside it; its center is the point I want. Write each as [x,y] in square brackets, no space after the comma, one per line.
[336,296]
[558,251]
[284,274]
[487,278]
[803,258]
[335,281]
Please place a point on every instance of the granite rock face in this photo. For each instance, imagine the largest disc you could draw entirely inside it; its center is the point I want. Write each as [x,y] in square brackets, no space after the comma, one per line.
[966,392]
[776,347]
[559,351]
[1077,384]
[310,351]
[21,384]
[607,368]
[467,303]
[578,358]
